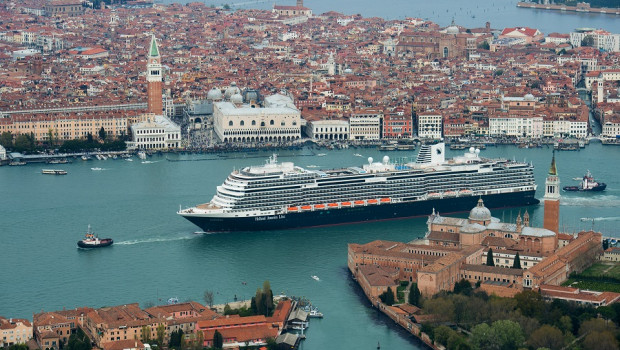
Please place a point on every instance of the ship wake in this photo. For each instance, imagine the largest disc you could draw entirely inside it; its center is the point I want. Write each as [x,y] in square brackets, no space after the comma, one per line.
[156,240]
[594,201]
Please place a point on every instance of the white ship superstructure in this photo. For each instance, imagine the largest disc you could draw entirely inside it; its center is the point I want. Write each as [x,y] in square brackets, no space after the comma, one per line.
[279,190]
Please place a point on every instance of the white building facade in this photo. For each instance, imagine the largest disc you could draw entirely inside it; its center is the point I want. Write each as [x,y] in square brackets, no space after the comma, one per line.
[155,132]
[516,126]
[365,125]
[611,127]
[328,130]
[603,40]
[563,127]
[277,121]
[430,126]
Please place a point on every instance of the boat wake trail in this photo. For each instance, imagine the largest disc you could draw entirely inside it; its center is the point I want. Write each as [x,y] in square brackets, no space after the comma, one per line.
[609,218]
[150,161]
[155,240]
[593,201]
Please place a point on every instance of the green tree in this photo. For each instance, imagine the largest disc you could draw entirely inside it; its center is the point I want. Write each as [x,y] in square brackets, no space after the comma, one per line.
[218,340]
[271,343]
[530,303]
[414,295]
[463,287]
[161,333]
[387,297]
[78,341]
[517,262]
[267,298]
[102,134]
[595,325]
[458,342]
[6,139]
[490,261]
[547,336]
[600,341]
[442,334]
[484,45]
[498,72]
[501,335]
[24,143]
[89,138]
[208,298]
[145,335]
[175,339]
[588,40]
[442,308]
[200,340]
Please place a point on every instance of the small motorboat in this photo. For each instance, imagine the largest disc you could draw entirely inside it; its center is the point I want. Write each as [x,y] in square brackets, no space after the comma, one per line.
[93,241]
[316,278]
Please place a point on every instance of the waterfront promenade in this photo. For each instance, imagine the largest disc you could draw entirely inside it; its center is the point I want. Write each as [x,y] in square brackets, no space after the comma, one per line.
[581,7]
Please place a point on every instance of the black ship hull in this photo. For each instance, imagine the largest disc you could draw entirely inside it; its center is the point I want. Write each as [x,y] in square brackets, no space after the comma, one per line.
[361,213]
[104,243]
[600,187]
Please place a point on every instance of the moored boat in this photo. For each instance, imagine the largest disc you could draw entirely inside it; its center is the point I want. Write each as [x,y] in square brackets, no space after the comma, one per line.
[93,241]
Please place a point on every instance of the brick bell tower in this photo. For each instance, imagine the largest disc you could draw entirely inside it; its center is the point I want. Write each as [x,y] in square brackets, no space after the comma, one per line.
[153,79]
[552,199]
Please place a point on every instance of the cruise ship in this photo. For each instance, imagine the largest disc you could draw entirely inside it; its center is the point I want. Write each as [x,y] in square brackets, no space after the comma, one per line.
[280,195]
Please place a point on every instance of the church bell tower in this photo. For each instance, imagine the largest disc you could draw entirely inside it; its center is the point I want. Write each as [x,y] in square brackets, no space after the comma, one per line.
[153,78]
[552,199]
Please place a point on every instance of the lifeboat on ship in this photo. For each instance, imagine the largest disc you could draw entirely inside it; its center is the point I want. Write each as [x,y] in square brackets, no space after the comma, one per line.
[319,206]
[385,200]
[293,208]
[465,192]
[332,205]
[372,201]
[434,195]
[359,202]
[346,204]
[449,194]
[306,207]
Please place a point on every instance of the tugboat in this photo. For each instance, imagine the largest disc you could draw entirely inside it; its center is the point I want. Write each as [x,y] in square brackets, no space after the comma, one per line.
[93,241]
[587,184]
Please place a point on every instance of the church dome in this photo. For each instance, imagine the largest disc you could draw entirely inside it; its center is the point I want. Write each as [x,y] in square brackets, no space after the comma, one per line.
[236,99]
[480,212]
[231,90]
[452,30]
[214,94]
[529,97]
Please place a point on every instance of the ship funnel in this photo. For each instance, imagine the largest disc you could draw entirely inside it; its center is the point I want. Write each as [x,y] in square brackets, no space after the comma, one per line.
[370,160]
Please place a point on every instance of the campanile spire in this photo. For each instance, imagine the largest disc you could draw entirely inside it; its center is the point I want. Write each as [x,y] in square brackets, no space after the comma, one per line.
[153,78]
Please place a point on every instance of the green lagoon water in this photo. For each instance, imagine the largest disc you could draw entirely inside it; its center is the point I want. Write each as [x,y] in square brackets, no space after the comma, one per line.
[158,255]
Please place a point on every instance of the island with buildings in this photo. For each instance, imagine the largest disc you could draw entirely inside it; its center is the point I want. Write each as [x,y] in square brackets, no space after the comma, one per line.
[186,325]
[500,259]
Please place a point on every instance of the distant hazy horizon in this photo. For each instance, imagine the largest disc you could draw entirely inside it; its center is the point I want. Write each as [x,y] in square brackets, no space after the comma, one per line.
[501,13]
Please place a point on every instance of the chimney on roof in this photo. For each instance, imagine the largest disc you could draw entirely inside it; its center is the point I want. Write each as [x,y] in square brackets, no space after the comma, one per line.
[300,3]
